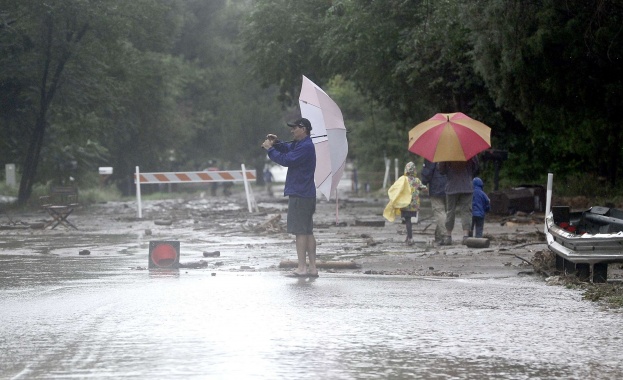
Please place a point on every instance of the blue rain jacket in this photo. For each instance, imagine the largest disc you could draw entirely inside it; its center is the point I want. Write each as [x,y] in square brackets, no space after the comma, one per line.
[300,159]
[480,201]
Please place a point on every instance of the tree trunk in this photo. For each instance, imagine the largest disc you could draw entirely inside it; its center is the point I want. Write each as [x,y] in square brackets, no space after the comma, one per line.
[36,140]
[46,94]
[32,160]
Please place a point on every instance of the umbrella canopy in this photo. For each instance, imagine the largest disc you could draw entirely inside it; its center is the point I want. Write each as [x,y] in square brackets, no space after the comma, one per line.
[449,137]
[328,135]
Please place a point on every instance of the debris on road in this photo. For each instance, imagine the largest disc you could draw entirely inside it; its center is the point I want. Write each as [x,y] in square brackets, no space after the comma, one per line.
[323,264]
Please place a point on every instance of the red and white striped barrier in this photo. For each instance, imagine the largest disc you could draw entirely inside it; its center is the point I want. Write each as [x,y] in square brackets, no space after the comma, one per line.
[242,175]
[205,176]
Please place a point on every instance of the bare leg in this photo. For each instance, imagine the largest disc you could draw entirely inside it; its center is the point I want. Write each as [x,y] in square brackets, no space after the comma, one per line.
[311,252]
[301,248]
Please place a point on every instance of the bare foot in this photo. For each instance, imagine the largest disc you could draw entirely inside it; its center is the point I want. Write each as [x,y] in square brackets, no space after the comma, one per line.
[296,274]
[312,273]
[301,272]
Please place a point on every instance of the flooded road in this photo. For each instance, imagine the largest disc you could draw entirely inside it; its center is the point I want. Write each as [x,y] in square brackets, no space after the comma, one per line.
[419,312]
[96,317]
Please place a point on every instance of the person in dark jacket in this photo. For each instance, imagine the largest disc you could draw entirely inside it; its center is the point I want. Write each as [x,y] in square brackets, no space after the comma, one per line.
[481,205]
[459,191]
[299,157]
[436,183]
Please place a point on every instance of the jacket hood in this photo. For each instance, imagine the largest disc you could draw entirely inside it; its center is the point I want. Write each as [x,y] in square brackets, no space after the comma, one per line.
[410,169]
[478,182]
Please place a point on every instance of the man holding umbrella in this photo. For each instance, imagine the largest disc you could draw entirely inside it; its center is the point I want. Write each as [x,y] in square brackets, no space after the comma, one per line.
[453,140]
[299,157]
[459,193]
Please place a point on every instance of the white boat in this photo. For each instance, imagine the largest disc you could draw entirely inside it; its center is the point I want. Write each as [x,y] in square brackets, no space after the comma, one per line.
[584,242]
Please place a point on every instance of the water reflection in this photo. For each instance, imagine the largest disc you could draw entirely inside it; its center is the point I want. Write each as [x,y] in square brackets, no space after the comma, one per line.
[86,318]
[164,273]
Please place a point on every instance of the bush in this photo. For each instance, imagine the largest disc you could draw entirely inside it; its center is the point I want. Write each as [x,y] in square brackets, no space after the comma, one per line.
[99,195]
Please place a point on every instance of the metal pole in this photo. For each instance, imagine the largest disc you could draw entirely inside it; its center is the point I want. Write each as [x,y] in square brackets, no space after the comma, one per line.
[548,202]
[137,179]
[246,187]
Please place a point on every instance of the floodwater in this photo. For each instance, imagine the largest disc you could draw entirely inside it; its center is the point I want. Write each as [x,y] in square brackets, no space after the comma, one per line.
[101,317]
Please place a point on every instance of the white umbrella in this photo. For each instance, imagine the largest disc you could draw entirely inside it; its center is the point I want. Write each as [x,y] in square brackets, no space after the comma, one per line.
[328,134]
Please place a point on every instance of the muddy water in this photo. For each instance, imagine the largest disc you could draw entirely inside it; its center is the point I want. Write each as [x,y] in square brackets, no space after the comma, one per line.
[96,317]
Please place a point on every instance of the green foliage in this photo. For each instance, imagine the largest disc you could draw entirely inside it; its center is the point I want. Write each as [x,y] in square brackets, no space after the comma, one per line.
[608,294]
[149,131]
[228,110]
[409,60]
[281,39]
[534,72]
[169,85]
[557,67]
[94,195]
[6,190]
[61,56]
[373,135]
[153,84]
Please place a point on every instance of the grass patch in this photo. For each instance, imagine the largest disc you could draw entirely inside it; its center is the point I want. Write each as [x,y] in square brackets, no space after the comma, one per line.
[99,195]
[609,294]
[9,191]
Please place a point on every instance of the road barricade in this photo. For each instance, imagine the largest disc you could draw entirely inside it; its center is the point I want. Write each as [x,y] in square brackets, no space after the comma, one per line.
[242,175]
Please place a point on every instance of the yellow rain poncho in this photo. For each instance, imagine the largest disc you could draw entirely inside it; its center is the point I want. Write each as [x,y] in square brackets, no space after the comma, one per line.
[399,197]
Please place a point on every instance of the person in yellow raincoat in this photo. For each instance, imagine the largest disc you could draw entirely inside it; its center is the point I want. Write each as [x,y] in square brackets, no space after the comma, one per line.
[404,199]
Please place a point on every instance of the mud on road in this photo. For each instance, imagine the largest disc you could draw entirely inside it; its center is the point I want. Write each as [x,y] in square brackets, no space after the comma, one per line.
[353,232]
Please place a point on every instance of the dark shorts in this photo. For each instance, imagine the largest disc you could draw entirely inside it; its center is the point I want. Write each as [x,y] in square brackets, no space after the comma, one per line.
[300,215]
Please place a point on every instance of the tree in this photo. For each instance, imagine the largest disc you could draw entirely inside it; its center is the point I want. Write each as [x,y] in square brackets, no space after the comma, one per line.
[411,59]
[55,45]
[281,40]
[558,67]
[528,69]
[373,134]
[229,111]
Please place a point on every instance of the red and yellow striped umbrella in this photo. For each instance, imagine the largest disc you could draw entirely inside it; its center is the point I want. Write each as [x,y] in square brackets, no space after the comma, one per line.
[449,137]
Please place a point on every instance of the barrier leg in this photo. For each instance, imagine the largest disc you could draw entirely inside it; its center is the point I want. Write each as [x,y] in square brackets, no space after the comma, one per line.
[246,187]
[137,179]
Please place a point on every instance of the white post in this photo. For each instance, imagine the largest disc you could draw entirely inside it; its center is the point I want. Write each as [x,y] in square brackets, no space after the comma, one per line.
[396,169]
[10,175]
[388,163]
[548,202]
[246,187]
[138,193]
